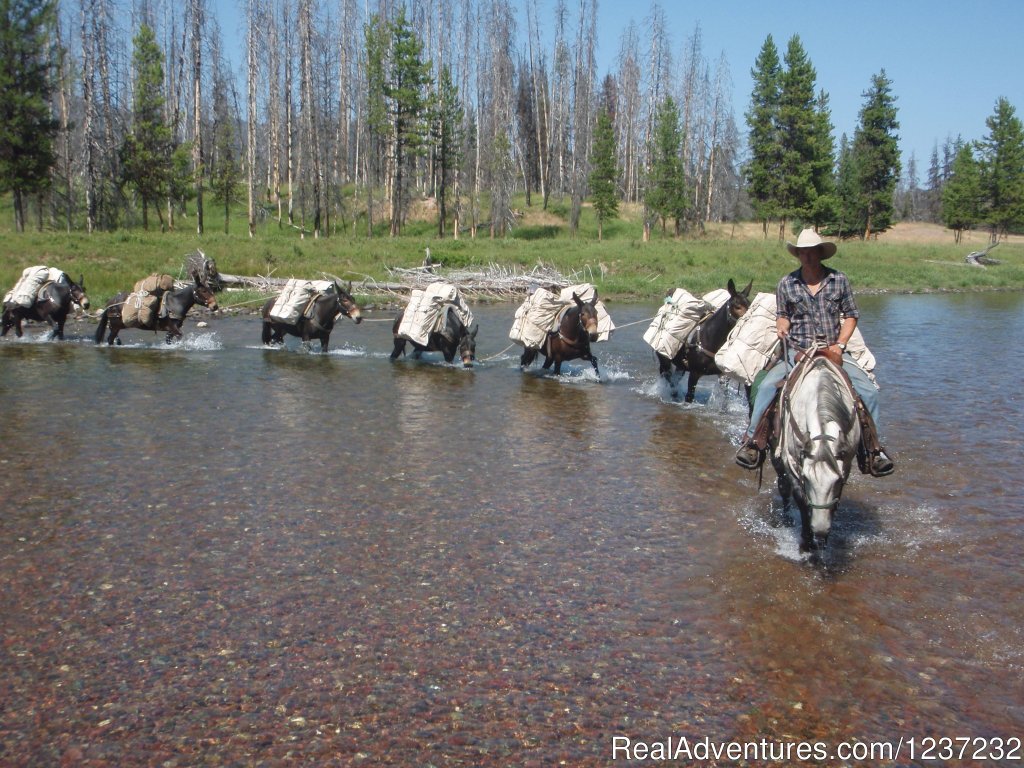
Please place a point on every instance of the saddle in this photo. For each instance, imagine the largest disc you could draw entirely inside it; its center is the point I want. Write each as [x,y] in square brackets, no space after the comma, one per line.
[770,425]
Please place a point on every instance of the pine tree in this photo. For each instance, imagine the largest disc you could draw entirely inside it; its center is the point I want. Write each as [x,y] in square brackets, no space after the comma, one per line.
[825,205]
[225,170]
[409,75]
[1002,169]
[146,152]
[604,176]
[961,196]
[27,125]
[446,133]
[875,145]
[666,190]
[799,128]
[762,170]
[849,214]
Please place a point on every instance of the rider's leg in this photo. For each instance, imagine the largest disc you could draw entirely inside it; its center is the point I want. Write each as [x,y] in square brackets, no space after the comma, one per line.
[881,464]
[748,455]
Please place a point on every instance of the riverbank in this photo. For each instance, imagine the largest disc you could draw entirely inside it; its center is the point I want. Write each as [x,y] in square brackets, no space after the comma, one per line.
[910,258]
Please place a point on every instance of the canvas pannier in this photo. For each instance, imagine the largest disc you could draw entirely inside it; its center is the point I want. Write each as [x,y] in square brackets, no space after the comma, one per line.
[27,288]
[751,344]
[587,292]
[140,310]
[155,283]
[296,299]
[425,312]
[675,320]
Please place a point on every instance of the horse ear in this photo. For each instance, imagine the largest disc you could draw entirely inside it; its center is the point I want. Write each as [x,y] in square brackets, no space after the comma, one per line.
[579,302]
[731,286]
[350,286]
[746,291]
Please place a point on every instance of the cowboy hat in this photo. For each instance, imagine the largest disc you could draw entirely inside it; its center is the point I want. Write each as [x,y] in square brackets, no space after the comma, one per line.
[811,239]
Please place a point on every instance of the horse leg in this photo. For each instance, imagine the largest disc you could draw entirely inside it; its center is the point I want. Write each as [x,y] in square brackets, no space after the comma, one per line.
[806,535]
[691,385]
[527,358]
[399,348]
[665,370]
[324,341]
[593,362]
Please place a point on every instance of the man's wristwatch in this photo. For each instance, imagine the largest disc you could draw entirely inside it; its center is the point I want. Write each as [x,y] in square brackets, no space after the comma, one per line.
[841,346]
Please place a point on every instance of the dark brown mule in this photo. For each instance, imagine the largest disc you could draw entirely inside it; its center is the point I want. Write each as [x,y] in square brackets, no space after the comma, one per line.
[454,337]
[175,305]
[697,354]
[576,330]
[52,304]
[316,322]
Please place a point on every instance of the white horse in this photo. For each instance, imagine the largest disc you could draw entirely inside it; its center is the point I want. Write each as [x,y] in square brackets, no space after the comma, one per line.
[819,433]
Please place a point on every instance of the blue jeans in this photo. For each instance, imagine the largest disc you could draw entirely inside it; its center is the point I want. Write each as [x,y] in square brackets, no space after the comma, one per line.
[766,390]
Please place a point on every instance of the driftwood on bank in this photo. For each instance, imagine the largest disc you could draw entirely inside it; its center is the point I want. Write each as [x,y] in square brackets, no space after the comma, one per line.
[493,282]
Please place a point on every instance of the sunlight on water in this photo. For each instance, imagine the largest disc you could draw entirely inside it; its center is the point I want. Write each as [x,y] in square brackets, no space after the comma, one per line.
[201,342]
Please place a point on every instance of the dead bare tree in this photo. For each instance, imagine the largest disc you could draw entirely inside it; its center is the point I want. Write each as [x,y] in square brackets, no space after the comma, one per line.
[197,10]
[252,72]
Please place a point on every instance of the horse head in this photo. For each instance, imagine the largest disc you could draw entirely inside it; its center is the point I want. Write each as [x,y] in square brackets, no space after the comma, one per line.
[347,305]
[78,292]
[467,346]
[739,301]
[588,315]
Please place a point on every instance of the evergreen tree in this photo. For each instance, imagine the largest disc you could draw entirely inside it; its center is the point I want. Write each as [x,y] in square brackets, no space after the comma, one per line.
[446,133]
[799,129]
[666,190]
[961,195]
[146,152]
[225,171]
[875,145]
[1002,170]
[605,174]
[762,170]
[825,205]
[849,214]
[933,190]
[27,125]
[404,91]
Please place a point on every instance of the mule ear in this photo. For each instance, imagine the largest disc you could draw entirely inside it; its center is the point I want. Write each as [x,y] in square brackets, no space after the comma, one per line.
[731,286]
[746,291]
[350,286]
[476,328]
[579,302]
[81,281]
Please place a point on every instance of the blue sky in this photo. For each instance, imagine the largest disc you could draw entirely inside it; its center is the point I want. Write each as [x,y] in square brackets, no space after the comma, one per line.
[948,61]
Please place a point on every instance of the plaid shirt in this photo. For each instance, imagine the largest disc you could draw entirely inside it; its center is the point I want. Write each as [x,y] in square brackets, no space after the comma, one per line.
[820,314]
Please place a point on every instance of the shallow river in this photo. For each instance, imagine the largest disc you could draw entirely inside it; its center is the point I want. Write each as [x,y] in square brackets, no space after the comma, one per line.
[223,554]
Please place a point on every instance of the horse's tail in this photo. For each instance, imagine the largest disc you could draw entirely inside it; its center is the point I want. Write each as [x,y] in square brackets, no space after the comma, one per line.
[102,327]
[268,330]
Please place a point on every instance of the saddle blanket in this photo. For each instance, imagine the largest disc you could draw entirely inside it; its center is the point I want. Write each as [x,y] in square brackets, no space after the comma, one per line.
[676,318]
[32,280]
[426,311]
[296,298]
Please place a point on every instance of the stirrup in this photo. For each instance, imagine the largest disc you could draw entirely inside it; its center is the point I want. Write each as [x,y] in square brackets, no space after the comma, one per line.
[743,461]
[885,470]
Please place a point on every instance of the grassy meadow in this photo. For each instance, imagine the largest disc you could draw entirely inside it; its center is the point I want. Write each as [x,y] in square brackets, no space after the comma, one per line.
[909,258]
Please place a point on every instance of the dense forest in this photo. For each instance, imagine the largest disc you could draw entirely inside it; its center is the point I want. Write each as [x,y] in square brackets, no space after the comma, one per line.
[118,114]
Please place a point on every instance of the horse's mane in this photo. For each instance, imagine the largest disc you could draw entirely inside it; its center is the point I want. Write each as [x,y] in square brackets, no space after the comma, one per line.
[834,398]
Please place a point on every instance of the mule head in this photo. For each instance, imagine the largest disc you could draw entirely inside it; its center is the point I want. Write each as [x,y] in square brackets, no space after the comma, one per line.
[347,304]
[739,301]
[205,295]
[467,346]
[588,315]
[78,293]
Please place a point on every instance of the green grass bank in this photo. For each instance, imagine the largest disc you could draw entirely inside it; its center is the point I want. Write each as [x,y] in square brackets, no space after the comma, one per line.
[622,266]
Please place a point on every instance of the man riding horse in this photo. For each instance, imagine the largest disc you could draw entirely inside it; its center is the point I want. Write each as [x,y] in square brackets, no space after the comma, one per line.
[815,309]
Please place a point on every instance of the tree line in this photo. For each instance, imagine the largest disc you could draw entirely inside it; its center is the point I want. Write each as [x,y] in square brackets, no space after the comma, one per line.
[348,113]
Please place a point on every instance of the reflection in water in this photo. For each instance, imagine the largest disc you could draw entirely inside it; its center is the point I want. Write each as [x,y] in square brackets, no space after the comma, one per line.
[338,559]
